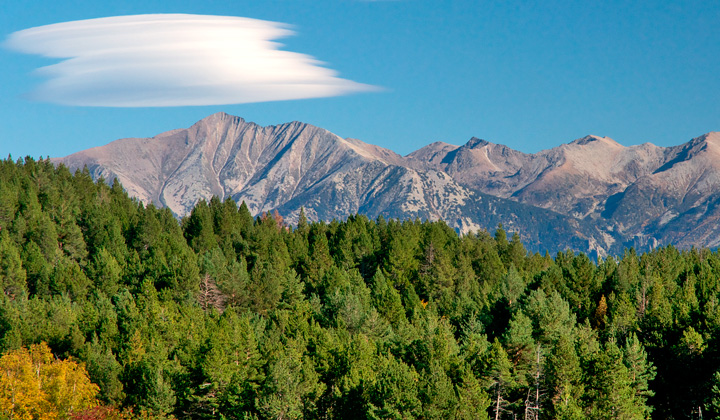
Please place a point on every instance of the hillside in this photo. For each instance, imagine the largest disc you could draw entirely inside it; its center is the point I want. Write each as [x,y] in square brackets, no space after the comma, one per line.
[228,315]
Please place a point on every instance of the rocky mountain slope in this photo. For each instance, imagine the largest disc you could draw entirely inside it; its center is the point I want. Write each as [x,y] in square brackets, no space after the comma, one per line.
[647,194]
[593,194]
[270,168]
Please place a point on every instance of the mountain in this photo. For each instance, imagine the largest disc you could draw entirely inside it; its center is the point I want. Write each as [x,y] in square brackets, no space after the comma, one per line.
[592,195]
[268,168]
[678,201]
[650,195]
[572,179]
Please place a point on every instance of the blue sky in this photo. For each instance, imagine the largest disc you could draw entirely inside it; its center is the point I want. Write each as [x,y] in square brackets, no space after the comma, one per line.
[528,74]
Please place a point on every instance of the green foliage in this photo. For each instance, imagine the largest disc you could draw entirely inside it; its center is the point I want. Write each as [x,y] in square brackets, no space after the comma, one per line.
[564,375]
[104,370]
[12,275]
[224,316]
[614,395]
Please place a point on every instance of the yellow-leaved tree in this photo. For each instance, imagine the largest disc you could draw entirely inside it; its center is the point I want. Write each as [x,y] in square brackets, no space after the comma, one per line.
[36,385]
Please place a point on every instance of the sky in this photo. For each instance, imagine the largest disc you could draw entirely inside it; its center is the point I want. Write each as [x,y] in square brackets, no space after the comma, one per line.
[400,74]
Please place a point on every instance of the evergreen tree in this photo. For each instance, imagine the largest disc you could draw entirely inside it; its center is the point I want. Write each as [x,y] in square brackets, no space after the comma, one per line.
[292,386]
[106,272]
[713,405]
[613,395]
[224,315]
[104,370]
[12,274]
[394,394]
[640,370]
[231,365]
[513,286]
[199,228]
[437,394]
[473,401]
[387,300]
[565,381]
[500,379]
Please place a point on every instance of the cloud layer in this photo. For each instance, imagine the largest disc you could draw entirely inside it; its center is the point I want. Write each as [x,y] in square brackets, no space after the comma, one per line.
[173,60]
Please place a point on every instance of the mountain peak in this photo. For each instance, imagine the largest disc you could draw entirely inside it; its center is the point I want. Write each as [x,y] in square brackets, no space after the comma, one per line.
[712,137]
[475,143]
[590,139]
[617,193]
[706,142]
[220,117]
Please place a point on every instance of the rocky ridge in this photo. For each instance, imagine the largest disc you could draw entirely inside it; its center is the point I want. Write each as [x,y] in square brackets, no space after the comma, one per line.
[592,195]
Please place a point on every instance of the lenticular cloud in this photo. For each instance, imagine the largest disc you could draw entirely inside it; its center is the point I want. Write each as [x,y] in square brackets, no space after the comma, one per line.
[173,60]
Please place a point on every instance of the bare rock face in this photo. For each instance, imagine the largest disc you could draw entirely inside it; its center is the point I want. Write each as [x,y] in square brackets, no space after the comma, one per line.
[571,179]
[592,195]
[649,195]
[676,203]
[283,167]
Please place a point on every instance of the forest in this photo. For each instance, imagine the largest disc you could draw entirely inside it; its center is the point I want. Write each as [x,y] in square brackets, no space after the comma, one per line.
[116,310]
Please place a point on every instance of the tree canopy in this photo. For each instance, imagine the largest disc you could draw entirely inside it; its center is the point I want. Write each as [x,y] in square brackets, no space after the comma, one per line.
[222,315]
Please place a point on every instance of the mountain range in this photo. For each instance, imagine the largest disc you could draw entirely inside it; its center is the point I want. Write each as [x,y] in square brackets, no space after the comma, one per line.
[591,195]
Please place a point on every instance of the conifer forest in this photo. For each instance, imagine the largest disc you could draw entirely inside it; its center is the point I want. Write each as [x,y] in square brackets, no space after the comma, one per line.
[116,310]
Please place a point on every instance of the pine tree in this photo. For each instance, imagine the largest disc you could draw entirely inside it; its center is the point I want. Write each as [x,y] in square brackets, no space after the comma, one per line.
[12,274]
[106,272]
[103,369]
[151,388]
[613,396]
[500,379]
[210,295]
[513,286]
[199,228]
[713,405]
[230,364]
[641,371]
[520,346]
[565,381]
[473,401]
[292,386]
[394,394]
[387,300]
[319,259]
[437,394]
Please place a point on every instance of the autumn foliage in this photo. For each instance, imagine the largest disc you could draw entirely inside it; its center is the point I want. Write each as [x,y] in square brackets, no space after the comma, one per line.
[36,385]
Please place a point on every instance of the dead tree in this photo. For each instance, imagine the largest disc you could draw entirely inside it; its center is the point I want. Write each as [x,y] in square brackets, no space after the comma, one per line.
[210,295]
[532,402]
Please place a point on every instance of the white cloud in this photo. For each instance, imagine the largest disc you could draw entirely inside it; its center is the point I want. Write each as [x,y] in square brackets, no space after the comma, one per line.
[174,60]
